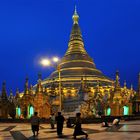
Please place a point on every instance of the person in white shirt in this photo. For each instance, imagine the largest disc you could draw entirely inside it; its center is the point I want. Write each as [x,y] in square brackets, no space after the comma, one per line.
[116,122]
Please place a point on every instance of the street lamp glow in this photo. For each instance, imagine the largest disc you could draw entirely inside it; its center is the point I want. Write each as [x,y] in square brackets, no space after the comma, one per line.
[52,62]
[55,59]
[45,62]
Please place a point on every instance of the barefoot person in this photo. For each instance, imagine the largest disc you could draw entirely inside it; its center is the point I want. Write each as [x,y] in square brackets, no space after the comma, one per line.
[78,129]
[35,120]
[60,121]
[52,120]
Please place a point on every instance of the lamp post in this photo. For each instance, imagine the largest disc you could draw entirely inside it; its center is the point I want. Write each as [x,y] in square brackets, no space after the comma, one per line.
[60,94]
[51,62]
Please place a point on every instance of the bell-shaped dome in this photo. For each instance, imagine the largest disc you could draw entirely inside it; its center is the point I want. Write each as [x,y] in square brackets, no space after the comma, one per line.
[76,62]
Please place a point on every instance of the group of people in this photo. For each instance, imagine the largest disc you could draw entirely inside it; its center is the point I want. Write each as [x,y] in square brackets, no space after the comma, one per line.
[59,120]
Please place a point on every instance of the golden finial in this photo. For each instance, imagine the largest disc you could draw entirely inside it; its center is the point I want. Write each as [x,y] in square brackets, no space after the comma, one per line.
[117,77]
[75,12]
[31,87]
[39,76]
[124,84]
[75,16]
[17,91]
[26,85]
[11,93]
[131,87]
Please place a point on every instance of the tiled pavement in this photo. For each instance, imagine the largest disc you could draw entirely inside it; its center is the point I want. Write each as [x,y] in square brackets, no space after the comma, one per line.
[125,131]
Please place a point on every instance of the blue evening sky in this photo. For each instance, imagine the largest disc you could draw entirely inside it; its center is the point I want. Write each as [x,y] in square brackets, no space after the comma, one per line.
[30,29]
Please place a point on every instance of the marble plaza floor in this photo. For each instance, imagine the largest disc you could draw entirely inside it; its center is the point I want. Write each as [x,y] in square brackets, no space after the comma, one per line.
[125,131]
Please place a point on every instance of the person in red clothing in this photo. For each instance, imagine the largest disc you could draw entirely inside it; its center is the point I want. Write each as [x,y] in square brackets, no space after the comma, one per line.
[35,120]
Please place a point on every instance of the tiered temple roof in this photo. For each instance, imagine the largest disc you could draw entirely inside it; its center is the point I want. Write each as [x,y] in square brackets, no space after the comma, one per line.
[76,63]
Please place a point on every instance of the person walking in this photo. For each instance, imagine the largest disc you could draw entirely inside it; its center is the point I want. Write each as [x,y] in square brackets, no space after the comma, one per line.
[35,121]
[78,128]
[52,120]
[60,121]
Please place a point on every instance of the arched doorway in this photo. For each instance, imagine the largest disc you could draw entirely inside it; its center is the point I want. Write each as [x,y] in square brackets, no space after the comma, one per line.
[30,111]
[125,110]
[18,111]
[108,111]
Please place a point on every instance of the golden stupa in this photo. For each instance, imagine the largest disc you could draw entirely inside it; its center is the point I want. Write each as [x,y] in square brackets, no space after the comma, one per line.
[76,64]
[75,86]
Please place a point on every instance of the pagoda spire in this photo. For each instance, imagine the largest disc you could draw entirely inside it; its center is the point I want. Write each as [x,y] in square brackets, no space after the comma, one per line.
[31,90]
[39,77]
[26,90]
[139,85]
[39,88]
[17,94]
[11,93]
[75,16]
[125,84]
[4,93]
[76,44]
[131,87]
[117,82]
[11,97]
